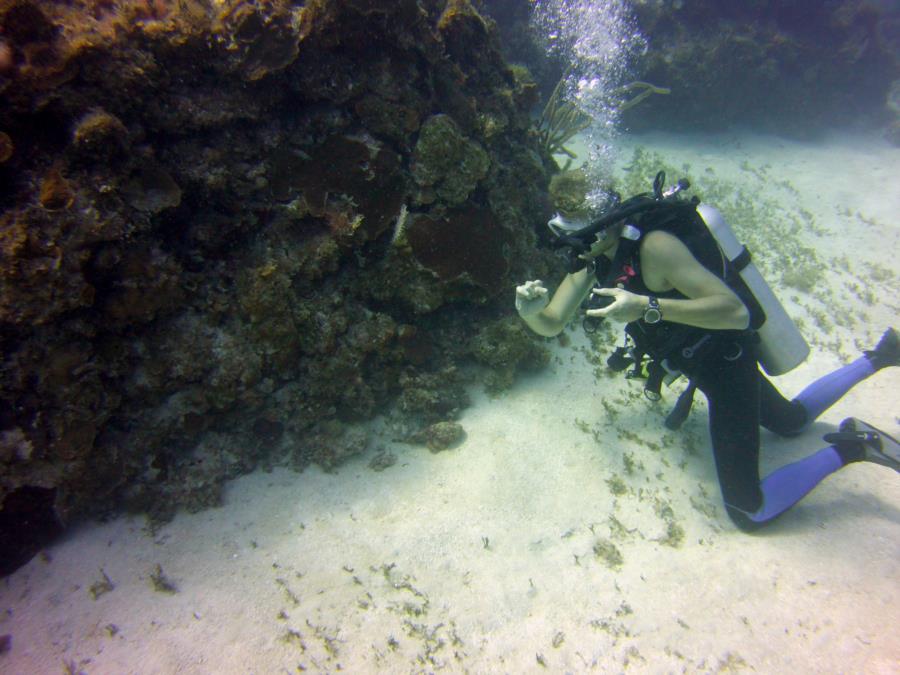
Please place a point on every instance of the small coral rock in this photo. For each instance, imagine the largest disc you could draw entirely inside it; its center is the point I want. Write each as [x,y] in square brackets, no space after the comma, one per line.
[99,135]
[506,347]
[442,436]
[152,190]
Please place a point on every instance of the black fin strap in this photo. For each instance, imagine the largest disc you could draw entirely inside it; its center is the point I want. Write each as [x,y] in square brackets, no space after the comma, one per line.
[682,407]
[852,437]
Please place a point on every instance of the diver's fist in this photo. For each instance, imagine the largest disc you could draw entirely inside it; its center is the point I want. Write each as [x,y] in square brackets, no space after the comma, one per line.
[531,297]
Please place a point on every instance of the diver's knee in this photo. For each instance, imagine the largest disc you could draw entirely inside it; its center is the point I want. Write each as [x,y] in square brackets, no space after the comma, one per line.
[793,424]
[742,520]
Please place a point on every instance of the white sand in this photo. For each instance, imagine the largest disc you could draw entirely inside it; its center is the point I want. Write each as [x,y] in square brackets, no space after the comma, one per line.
[480,559]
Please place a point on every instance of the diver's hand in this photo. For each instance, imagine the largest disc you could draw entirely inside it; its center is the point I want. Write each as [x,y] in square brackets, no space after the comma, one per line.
[626,306]
[531,298]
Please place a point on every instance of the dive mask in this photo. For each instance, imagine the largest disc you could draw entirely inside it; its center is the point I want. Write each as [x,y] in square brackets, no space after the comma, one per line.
[561,225]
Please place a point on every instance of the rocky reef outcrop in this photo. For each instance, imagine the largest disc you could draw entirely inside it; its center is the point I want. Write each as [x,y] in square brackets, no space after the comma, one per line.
[232,231]
[788,67]
[785,66]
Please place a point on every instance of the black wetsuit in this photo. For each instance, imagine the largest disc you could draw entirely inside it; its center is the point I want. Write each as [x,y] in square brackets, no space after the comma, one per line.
[741,399]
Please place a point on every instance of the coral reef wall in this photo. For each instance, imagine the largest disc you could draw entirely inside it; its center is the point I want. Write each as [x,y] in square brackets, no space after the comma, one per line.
[230,231]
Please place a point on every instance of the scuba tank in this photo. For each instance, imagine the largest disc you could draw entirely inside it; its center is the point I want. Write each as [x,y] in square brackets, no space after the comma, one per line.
[782,347]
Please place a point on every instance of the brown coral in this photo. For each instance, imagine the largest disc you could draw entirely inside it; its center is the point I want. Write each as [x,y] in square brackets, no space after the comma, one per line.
[152,189]
[6,147]
[257,42]
[23,22]
[366,172]
[41,262]
[7,57]
[466,242]
[146,283]
[56,192]
[33,44]
[99,134]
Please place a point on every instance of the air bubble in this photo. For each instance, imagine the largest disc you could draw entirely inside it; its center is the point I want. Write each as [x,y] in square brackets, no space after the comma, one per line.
[597,40]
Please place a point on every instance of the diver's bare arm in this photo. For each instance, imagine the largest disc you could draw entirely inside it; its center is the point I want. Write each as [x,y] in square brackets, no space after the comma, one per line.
[717,312]
[551,320]
[710,302]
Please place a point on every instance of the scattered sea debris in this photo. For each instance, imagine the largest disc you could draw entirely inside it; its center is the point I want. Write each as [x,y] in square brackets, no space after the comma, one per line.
[731,663]
[72,667]
[329,641]
[292,597]
[608,553]
[294,637]
[631,655]
[616,485]
[618,531]
[161,583]
[674,534]
[104,585]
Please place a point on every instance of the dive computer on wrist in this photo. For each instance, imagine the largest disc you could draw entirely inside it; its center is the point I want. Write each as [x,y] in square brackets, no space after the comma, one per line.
[653,314]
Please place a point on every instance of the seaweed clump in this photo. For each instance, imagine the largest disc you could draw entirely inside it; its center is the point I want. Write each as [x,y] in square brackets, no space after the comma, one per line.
[608,553]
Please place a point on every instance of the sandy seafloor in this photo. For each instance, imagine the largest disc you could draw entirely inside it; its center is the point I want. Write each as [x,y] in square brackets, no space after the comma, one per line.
[481,558]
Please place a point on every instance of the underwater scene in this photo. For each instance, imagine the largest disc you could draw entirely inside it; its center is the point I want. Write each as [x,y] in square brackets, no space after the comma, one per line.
[465,336]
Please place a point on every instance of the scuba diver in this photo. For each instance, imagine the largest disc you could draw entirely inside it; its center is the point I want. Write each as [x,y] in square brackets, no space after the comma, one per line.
[694,303]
